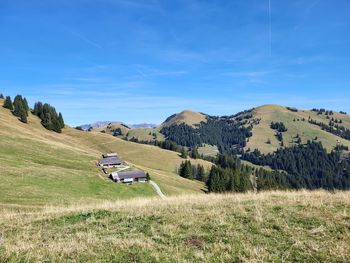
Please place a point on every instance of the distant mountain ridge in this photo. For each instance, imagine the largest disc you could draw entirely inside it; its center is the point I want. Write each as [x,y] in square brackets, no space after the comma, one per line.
[143,126]
[246,131]
[329,127]
[101,124]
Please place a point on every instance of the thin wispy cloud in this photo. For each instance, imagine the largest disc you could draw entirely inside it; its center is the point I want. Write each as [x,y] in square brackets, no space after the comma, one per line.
[148,72]
[85,39]
[248,74]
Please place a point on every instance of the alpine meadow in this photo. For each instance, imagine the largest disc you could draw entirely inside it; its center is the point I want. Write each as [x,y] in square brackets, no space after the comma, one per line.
[174,131]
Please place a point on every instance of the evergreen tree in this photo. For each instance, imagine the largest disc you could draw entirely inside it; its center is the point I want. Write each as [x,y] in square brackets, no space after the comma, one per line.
[244,183]
[61,121]
[1,96]
[194,153]
[213,181]
[186,170]
[25,106]
[49,117]
[20,108]
[23,115]
[38,110]
[47,121]
[183,153]
[200,173]
[17,105]
[8,103]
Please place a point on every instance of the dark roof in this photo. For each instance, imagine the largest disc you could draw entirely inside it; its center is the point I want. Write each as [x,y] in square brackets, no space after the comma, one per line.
[129,174]
[106,155]
[110,161]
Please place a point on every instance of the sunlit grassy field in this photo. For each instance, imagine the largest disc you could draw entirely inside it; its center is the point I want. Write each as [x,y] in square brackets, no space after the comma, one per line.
[187,116]
[40,167]
[208,150]
[265,227]
[306,131]
[145,134]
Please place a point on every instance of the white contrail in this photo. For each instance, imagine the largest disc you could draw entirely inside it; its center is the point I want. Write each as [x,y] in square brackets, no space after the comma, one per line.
[270,33]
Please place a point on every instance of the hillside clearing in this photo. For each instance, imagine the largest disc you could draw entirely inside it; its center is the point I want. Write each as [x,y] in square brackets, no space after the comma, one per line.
[145,134]
[272,226]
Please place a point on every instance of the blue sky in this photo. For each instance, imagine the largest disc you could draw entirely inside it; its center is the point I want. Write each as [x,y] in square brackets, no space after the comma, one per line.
[141,61]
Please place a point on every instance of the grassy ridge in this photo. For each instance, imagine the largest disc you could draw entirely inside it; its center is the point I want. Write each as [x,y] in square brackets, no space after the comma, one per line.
[189,117]
[307,131]
[145,134]
[276,226]
[40,167]
[110,128]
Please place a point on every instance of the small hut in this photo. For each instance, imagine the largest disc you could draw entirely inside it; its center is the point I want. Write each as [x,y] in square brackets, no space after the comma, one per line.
[129,177]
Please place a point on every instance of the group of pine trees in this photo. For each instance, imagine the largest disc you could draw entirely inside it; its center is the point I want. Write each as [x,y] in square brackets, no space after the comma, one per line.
[229,175]
[322,110]
[19,107]
[189,171]
[279,126]
[227,134]
[166,144]
[333,127]
[307,166]
[194,154]
[49,117]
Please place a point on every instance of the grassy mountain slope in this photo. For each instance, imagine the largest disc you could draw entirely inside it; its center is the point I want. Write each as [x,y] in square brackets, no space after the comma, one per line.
[111,127]
[142,134]
[274,113]
[189,117]
[40,167]
[145,134]
[265,227]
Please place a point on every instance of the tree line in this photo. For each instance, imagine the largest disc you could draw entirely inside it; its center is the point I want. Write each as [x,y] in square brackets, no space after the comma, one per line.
[19,107]
[227,134]
[307,166]
[279,126]
[333,127]
[171,146]
[228,174]
[189,171]
[49,117]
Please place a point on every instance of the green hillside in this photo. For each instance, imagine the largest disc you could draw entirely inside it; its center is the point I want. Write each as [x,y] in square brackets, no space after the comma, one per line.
[42,167]
[296,123]
[187,116]
[145,134]
[112,127]
[263,136]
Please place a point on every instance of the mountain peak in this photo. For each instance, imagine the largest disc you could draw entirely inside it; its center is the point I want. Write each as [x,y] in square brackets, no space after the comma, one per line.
[186,116]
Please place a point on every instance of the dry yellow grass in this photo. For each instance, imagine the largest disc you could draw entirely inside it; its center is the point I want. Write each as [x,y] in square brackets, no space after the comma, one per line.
[146,134]
[266,227]
[187,116]
[307,131]
[109,129]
